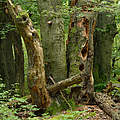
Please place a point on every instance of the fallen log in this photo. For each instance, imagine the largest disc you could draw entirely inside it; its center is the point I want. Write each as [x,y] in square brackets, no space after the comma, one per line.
[107,105]
[77,79]
[57,86]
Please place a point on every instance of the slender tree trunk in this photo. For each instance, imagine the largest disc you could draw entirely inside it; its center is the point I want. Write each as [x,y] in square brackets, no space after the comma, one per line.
[52,34]
[103,40]
[36,73]
[80,48]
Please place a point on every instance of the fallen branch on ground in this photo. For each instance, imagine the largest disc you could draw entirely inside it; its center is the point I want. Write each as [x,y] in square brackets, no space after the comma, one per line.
[107,105]
[77,79]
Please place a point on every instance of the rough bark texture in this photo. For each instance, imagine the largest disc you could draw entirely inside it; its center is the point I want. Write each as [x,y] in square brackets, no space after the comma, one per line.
[36,73]
[77,79]
[103,40]
[52,35]
[107,105]
[80,49]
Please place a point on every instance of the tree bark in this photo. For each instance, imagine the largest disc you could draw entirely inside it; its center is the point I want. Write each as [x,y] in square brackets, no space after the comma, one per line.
[77,79]
[80,48]
[36,73]
[107,105]
[103,40]
[52,35]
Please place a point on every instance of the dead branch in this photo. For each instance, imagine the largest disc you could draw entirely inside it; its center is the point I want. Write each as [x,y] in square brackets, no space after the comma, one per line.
[107,105]
[77,79]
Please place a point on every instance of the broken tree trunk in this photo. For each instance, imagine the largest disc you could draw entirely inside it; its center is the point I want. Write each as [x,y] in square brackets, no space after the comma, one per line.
[36,73]
[77,79]
[80,49]
[107,105]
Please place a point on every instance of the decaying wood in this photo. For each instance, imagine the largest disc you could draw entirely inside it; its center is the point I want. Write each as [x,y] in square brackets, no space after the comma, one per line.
[62,94]
[107,105]
[36,73]
[80,49]
[68,82]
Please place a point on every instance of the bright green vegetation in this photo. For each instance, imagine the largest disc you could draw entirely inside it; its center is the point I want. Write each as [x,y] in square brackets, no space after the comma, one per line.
[12,105]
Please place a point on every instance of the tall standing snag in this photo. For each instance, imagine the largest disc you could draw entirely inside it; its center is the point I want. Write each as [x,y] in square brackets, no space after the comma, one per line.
[80,49]
[36,73]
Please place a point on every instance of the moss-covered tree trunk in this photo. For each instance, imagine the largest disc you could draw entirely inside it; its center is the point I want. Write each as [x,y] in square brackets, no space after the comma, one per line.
[9,51]
[80,48]
[103,40]
[52,35]
[36,73]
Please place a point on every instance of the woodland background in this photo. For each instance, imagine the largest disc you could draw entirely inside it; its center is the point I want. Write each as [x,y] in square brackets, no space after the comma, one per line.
[56,55]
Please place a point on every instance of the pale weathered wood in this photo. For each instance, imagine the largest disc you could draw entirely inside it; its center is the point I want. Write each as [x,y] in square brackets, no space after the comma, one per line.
[36,73]
[77,79]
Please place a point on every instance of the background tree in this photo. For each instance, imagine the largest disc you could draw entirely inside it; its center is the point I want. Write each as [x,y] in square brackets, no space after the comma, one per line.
[52,35]
[12,58]
[103,41]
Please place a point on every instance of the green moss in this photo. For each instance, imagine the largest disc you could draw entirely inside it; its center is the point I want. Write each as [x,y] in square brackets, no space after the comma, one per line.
[96,74]
[22,13]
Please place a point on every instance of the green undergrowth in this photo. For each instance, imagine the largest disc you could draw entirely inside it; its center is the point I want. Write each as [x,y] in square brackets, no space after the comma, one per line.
[14,107]
[68,115]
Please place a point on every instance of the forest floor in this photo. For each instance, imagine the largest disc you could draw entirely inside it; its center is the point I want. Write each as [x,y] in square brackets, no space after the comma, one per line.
[84,112]
[99,114]
[93,112]
[79,111]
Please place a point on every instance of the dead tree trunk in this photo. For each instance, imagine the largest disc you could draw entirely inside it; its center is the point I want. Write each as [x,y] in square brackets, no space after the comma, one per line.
[107,105]
[36,73]
[77,79]
[80,49]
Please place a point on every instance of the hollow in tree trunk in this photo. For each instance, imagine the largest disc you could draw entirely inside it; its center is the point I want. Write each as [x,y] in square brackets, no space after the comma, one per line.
[80,48]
